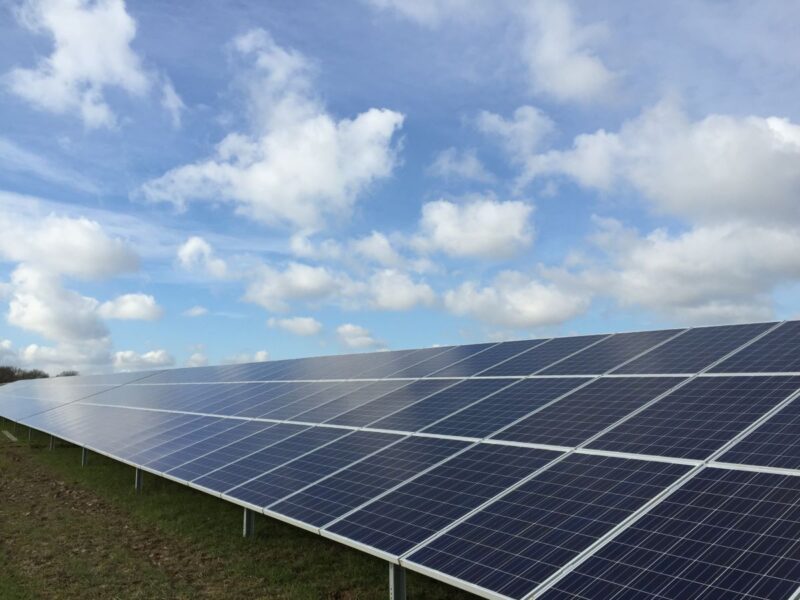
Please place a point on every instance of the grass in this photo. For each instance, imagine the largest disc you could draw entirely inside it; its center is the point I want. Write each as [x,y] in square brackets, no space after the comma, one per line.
[72,532]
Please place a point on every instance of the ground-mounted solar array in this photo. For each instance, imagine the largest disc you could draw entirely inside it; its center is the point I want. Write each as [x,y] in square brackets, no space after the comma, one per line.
[660,464]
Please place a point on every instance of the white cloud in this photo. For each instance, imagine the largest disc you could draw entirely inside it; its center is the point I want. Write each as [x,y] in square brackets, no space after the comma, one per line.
[482,228]
[197,359]
[172,102]
[377,248]
[516,300]
[17,159]
[393,290]
[63,245]
[91,53]
[195,311]
[131,307]
[465,164]
[559,55]
[522,134]
[8,355]
[716,169]
[84,356]
[429,12]
[196,254]
[356,337]
[129,360]
[275,289]
[297,325]
[299,166]
[246,357]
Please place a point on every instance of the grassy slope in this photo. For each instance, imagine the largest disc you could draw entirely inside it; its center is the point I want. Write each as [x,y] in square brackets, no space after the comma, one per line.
[68,532]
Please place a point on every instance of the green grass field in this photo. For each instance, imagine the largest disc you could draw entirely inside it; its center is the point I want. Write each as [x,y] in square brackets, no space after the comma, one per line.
[72,532]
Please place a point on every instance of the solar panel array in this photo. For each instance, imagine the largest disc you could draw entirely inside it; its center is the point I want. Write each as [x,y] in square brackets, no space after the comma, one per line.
[660,464]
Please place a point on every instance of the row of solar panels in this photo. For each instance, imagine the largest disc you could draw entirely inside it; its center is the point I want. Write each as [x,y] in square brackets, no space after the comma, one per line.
[775,348]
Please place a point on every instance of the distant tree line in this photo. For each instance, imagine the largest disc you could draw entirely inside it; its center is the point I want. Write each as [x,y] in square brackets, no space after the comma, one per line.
[9,374]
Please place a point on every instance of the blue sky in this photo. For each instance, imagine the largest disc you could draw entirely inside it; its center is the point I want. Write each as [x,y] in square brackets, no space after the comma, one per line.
[236,181]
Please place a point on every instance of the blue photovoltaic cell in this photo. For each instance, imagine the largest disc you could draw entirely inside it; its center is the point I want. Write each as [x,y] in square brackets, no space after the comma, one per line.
[587,411]
[776,443]
[203,431]
[203,465]
[694,350]
[731,535]
[438,362]
[260,462]
[489,415]
[700,417]
[520,540]
[485,360]
[539,357]
[413,512]
[299,473]
[441,404]
[394,401]
[776,352]
[404,362]
[359,397]
[359,483]
[610,353]
[131,448]
[320,398]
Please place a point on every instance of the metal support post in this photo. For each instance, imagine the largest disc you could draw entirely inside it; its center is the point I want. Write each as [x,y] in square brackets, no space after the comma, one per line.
[397,582]
[137,481]
[52,443]
[249,523]
[84,457]
[29,435]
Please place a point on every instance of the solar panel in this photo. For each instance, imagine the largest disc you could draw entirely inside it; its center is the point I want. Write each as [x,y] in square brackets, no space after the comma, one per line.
[400,520]
[694,350]
[441,404]
[587,411]
[484,360]
[610,353]
[495,412]
[699,417]
[391,402]
[723,534]
[320,398]
[364,481]
[520,540]
[776,352]
[297,474]
[343,404]
[442,360]
[539,357]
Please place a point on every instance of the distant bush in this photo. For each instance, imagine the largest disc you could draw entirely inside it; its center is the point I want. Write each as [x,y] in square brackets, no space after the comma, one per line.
[68,374]
[9,374]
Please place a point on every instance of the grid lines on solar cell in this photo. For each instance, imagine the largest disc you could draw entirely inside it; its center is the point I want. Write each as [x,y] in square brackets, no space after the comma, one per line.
[410,514]
[203,465]
[724,534]
[391,402]
[291,477]
[541,356]
[213,427]
[520,540]
[700,417]
[440,361]
[252,466]
[365,480]
[694,350]
[346,403]
[441,404]
[776,352]
[775,443]
[315,400]
[508,405]
[404,362]
[484,360]
[587,411]
[609,353]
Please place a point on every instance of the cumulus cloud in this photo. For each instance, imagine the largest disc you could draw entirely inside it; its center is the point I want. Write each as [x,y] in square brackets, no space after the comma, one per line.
[394,290]
[356,337]
[84,356]
[297,325]
[515,300]
[195,311]
[196,254]
[299,165]
[246,357]
[129,360]
[559,53]
[521,134]
[716,168]
[197,359]
[274,289]
[91,52]
[141,307]
[8,355]
[480,228]
[377,248]
[456,164]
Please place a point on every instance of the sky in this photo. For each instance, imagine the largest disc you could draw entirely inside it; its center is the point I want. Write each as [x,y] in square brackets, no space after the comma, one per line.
[220,182]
